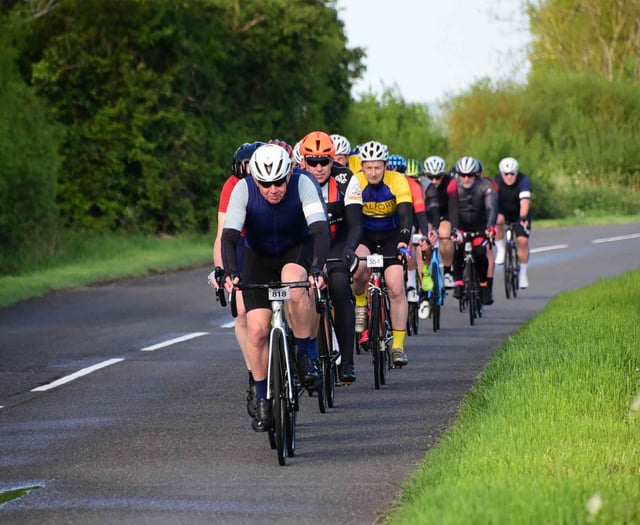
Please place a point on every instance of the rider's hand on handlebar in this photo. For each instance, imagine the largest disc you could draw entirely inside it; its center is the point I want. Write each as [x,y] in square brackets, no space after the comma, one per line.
[230,280]
[457,236]
[317,279]
[403,251]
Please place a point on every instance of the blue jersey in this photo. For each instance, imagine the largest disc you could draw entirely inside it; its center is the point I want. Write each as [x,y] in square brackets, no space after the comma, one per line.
[273,229]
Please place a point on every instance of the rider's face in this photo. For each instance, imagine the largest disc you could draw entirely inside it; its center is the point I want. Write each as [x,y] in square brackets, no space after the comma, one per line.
[319,167]
[273,194]
[373,170]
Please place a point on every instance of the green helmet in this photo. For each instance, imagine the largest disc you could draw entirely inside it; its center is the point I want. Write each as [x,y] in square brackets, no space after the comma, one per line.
[414,168]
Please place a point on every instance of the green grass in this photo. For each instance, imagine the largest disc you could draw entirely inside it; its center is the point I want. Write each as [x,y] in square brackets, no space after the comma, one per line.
[552,424]
[89,260]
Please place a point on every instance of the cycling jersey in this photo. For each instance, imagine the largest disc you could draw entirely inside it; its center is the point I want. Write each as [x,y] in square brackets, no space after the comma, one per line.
[473,209]
[509,196]
[380,202]
[343,196]
[272,229]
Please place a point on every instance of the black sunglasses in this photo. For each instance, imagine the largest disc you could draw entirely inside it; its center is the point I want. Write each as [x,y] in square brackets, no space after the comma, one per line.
[276,183]
[434,177]
[313,162]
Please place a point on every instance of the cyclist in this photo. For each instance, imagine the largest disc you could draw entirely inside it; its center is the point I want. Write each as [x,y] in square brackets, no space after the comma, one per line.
[387,221]
[514,198]
[472,208]
[491,263]
[342,193]
[428,221]
[423,214]
[436,176]
[286,238]
[343,149]
[239,169]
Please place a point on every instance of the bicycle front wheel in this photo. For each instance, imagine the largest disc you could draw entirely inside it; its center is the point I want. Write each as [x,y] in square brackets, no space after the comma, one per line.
[281,420]
[469,292]
[374,338]
[435,299]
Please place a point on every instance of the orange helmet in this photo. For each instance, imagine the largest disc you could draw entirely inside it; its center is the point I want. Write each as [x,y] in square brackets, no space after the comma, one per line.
[317,144]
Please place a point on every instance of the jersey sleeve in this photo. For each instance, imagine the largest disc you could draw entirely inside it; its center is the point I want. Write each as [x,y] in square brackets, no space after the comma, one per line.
[237,207]
[312,203]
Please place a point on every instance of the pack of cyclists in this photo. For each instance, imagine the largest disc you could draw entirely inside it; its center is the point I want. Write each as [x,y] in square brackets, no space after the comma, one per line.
[285,210]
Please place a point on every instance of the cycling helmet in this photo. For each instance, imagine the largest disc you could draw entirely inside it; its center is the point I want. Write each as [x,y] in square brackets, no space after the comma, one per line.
[397,163]
[242,156]
[343,147]
[434,165]
[297,157]
[270,163]
[373,150]
[467,166]
[282,144]
[414,169]
[508,165]
[317,144]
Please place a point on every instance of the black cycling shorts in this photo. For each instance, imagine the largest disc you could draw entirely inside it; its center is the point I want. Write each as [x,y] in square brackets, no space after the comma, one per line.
[260,269]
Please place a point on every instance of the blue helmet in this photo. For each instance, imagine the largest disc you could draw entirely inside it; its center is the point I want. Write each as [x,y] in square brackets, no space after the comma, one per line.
[397,163]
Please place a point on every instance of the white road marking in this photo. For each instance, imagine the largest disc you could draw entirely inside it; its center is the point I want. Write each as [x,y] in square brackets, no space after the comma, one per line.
[76,375]
[170,342]
[230,324]
[618,238]
[549,248]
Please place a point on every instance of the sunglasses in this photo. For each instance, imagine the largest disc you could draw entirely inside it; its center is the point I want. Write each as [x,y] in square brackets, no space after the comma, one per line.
[466,175]
[509,174]
[434,177]
[276,183]
[313,162]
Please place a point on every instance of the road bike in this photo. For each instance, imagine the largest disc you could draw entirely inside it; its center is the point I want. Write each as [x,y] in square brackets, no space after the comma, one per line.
[283,385]
[413,318]
[471,300]
[328,351]
[511,262]
[379,334]
[434,298]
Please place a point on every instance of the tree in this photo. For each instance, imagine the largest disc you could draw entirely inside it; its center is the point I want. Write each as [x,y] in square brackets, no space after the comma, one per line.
[600,36]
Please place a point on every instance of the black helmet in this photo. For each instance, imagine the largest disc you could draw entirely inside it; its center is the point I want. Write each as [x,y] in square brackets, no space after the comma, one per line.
[241,158]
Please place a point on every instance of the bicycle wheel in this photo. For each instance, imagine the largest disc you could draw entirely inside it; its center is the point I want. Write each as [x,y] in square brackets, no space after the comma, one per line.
[468,292]
[374,338]
[384,341]
[434,300]
[279,395]
[412,319]
[324,353]
[508,272]
[515,273]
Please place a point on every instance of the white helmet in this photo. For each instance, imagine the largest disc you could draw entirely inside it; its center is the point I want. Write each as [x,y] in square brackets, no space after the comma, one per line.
[508,165]
[270,163]
[467,166]
[343,147]
[434,165]
[373,150]
[297,157]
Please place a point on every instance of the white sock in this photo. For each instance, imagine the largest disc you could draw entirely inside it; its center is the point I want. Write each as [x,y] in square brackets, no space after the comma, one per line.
[411,278]
[523,268]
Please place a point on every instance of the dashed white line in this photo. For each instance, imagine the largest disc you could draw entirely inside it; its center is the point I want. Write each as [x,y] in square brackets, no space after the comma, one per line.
[618,238]
[230,324]
[76,375]
[170,342]
[549,248]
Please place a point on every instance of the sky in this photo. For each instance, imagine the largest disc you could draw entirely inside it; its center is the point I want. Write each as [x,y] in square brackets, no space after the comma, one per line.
[432,49]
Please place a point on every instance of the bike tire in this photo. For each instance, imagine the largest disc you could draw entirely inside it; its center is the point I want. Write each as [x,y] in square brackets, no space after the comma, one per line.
[412,319]
[324,354]
[279,396]
[515,275]
[385,338]
[469,292]
[374,338]
[434,300]
[508,272]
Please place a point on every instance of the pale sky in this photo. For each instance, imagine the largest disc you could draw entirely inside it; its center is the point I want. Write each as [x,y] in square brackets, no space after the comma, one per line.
[430,49]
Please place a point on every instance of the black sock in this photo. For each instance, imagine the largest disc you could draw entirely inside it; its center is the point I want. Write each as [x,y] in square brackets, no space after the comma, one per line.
[251,380]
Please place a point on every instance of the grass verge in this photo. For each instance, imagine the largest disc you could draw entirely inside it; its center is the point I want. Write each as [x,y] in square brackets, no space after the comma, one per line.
[551,431]
[104,258]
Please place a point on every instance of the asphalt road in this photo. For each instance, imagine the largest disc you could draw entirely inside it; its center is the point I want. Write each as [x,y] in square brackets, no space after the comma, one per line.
[115,423]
